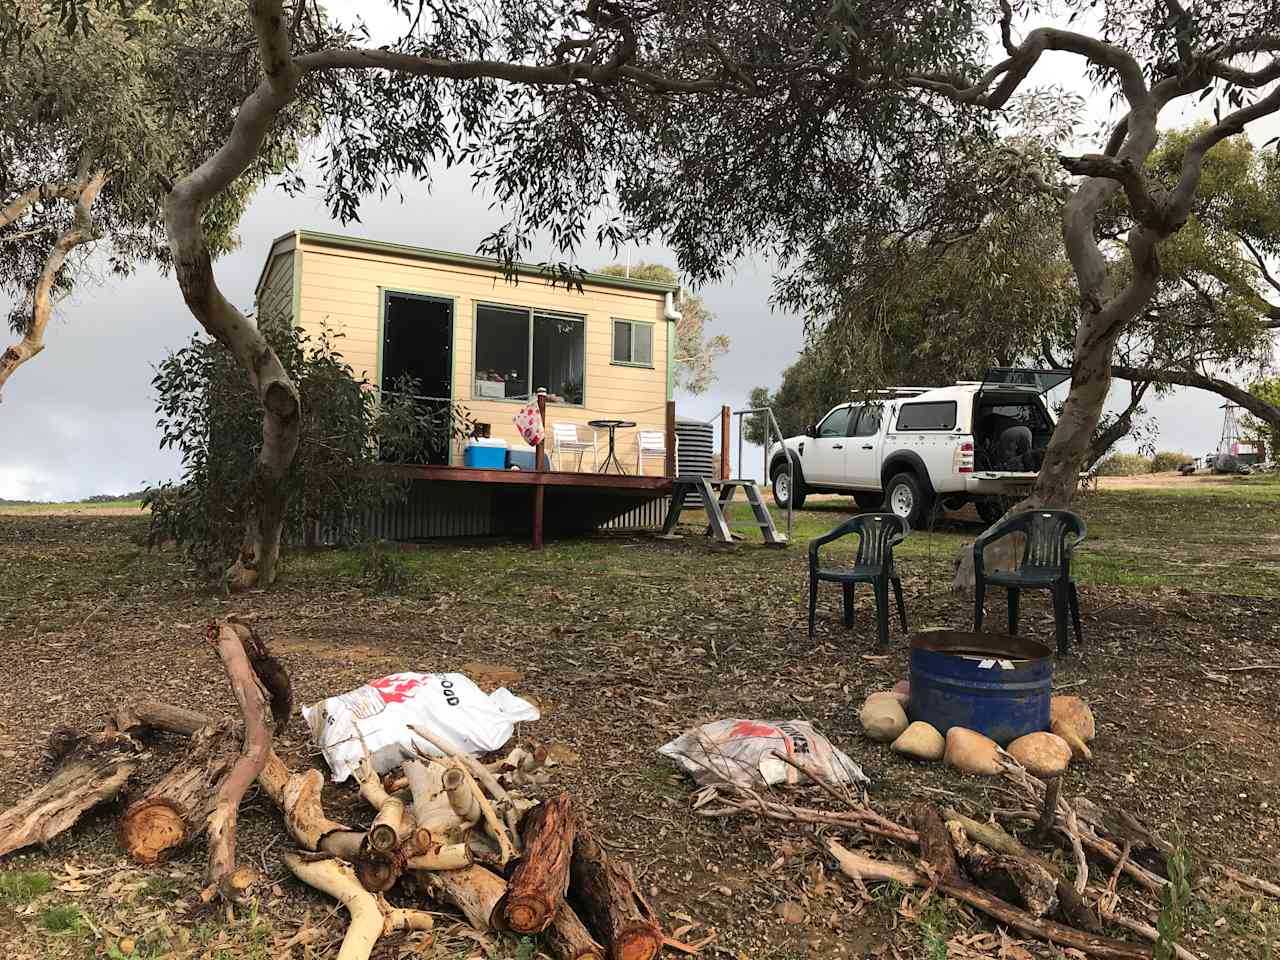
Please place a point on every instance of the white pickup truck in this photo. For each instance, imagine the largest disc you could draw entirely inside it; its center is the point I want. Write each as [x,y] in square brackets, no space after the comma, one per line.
[912,447]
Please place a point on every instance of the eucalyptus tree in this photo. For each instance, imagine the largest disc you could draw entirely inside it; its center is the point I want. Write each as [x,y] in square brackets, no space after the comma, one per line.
[100,111]
[1151,56]
[721,126]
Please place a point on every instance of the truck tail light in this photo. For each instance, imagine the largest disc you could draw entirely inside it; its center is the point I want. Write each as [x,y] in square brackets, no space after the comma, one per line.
[964,458]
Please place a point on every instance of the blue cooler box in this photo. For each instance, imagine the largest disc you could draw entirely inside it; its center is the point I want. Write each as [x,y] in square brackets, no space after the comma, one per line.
[525,460]
[485,454]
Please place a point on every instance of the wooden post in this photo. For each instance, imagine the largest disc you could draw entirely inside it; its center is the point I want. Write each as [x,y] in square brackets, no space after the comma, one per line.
[539,492]
[670,467]
[724,442]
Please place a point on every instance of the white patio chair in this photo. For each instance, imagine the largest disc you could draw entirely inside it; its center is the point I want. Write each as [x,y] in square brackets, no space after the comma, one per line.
[652,443]
[565,437]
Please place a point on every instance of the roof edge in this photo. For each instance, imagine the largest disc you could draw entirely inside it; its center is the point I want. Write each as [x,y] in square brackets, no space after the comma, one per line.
[530,270]
[272,253]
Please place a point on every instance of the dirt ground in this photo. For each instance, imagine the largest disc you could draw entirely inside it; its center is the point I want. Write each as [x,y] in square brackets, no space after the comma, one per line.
[624,642]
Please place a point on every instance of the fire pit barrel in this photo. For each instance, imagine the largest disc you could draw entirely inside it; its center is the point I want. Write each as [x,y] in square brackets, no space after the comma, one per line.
[995,684]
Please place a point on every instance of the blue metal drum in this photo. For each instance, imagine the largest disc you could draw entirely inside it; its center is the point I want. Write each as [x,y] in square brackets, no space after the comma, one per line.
[995,684]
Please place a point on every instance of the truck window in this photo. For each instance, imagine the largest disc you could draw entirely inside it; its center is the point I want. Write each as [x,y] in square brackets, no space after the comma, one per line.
[939,415]
[836,423]
[868,424]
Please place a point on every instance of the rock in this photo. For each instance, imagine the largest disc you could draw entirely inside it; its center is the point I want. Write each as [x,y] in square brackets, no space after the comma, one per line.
[883,719]
[1079,750]
[903,699]
[922,741]
[971,752]
[1043,754]
[1074,713]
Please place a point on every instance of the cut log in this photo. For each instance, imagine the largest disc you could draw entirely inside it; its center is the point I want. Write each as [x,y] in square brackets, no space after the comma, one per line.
[385,831]
[992,835]
[156,715]
[569,939]
[234,641]
[1014,879]
[474,890]
[176,808]
[606,897]
[450,856]
[540,881]
[298,798]
[89,771]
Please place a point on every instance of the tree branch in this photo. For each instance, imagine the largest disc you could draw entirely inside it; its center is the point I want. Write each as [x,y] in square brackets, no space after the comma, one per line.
[1189,378]
[80,231]
[1146,210]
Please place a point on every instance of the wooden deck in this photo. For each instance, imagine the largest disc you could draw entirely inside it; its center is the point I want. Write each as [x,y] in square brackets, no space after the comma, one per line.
[537,478]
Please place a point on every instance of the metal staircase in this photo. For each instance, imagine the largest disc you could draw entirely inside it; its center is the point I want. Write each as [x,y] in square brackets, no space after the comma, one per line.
[718,495]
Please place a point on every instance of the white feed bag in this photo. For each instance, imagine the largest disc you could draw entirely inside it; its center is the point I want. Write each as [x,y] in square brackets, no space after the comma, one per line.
[379,714]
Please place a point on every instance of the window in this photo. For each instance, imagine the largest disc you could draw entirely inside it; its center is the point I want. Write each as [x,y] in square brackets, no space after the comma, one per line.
[836,423]
[928,416]
[868,423]
[633,343]
[520,350]
[559,354]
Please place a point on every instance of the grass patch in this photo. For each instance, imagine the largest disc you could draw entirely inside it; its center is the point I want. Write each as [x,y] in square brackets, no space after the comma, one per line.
[20,887]
[64,918]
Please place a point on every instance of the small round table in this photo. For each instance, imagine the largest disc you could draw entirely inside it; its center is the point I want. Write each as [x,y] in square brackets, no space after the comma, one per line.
[611,426]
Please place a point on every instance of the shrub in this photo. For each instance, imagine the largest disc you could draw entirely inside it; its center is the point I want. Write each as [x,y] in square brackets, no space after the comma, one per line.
[384,572]
[1124,465]
[1167,460]
[209,412]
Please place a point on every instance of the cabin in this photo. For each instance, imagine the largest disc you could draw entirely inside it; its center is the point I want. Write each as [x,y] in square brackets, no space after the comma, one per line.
[488,342]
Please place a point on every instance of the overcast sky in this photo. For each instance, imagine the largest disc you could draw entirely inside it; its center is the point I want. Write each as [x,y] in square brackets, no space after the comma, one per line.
[79,420]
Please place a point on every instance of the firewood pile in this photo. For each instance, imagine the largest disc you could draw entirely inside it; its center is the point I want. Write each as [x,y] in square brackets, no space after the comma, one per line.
[986,867]
[450,828]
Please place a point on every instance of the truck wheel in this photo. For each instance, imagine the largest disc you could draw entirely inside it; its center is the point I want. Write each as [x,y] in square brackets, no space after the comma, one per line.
[905,496]
[783,495]
[869,501]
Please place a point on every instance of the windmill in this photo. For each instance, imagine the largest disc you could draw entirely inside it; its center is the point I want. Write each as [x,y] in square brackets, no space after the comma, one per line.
[1230,446]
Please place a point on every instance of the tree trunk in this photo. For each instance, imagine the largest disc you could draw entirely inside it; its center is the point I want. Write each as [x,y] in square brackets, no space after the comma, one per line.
[89,771]
[569,939]
[176,808]
[607,898]
[539,882]
[183,208]
[81,231]
[222,878]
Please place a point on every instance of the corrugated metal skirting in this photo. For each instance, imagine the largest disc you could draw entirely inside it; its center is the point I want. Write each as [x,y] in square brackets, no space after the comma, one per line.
[647,516]
[441,510]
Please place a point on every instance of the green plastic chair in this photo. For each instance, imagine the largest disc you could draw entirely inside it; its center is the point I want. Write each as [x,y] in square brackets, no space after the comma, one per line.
[1051,535]
[878,534]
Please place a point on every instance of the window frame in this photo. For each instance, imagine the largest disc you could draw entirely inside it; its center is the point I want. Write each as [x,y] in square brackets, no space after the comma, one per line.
[530,313]
[632,324]
[955,416]
[850,412]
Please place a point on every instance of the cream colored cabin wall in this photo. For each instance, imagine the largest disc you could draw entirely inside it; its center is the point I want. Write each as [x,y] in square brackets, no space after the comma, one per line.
[275,299]
[342,288]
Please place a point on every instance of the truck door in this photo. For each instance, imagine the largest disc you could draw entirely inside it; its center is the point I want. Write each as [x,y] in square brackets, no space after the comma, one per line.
[862,454]
[823,459]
